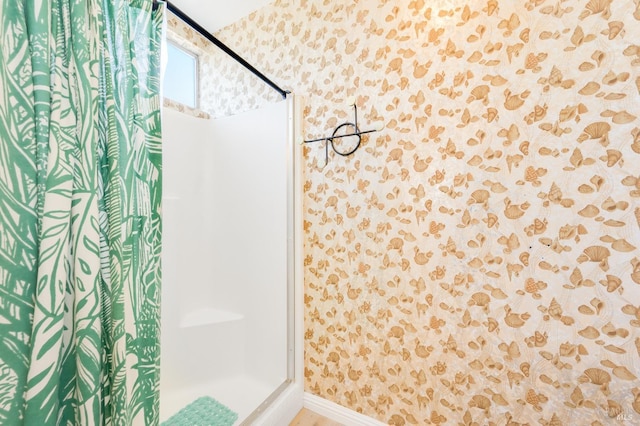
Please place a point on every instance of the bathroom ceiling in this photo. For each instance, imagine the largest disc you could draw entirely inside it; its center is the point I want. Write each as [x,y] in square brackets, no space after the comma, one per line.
[214,15]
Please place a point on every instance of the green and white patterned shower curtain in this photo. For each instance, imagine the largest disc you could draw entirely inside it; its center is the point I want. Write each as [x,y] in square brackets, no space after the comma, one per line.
[80,226]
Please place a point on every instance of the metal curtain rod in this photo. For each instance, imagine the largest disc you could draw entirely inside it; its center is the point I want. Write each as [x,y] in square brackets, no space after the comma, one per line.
[206,34]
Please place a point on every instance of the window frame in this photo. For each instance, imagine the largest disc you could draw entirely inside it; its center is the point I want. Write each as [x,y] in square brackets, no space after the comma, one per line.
[196,71]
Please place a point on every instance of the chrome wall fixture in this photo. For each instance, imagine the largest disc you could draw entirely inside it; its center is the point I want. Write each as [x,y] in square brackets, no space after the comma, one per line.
[346,126]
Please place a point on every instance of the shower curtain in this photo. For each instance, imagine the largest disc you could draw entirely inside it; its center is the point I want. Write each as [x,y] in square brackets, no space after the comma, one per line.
[80,228]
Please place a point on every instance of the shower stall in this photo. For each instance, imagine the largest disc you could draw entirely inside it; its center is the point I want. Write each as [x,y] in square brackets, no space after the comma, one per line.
[230,274]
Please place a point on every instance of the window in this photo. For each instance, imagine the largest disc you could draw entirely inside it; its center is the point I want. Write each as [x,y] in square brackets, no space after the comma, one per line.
[181,76]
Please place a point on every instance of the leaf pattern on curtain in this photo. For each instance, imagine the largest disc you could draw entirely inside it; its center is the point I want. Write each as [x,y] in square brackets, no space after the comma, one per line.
[80,224]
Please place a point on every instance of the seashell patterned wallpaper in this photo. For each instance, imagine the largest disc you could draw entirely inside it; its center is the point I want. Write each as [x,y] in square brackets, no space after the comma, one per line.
[226,87]
[478,261]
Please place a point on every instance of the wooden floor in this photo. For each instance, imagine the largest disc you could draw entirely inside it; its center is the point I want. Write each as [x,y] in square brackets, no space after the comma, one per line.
[309,418]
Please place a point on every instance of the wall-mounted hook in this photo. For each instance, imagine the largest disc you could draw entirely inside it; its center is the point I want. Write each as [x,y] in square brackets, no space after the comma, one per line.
[330,140]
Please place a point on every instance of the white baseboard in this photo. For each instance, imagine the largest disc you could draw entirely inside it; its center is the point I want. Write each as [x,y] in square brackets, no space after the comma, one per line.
[337,412]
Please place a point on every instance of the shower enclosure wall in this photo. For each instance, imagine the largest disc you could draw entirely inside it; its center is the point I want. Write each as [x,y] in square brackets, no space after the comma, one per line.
[227,258]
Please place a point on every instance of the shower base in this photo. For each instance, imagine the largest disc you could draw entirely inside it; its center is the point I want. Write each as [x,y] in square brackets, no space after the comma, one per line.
[242,394]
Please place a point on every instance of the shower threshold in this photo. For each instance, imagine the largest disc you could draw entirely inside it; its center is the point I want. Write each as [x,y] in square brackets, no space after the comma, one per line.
[242,394]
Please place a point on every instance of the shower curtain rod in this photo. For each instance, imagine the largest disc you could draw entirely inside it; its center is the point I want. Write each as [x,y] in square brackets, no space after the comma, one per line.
[206,34]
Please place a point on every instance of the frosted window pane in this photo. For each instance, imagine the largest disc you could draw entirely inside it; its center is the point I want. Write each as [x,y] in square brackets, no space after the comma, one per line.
[180,77]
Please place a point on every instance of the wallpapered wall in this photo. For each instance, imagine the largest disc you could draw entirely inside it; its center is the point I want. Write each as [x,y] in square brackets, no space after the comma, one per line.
[226,87]
[477,261]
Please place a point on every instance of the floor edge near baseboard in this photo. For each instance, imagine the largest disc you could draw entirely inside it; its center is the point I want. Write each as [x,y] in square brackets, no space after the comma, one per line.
[337,412]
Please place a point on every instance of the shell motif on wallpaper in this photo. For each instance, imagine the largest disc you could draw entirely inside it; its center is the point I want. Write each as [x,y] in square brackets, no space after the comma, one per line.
[499,202]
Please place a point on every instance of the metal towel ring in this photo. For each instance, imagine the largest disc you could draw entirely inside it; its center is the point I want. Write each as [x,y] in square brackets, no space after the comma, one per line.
[329,140]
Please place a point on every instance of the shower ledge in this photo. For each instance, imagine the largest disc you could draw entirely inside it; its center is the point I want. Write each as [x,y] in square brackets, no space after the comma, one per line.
[208,316]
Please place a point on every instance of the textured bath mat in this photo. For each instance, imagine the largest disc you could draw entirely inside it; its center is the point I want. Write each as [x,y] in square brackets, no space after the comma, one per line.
[204,411]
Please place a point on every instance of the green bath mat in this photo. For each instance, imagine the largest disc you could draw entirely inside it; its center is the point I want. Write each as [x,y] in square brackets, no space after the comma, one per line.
[204,411]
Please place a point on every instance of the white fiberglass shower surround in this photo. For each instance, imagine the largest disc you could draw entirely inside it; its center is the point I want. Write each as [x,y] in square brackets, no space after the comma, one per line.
[229,263]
